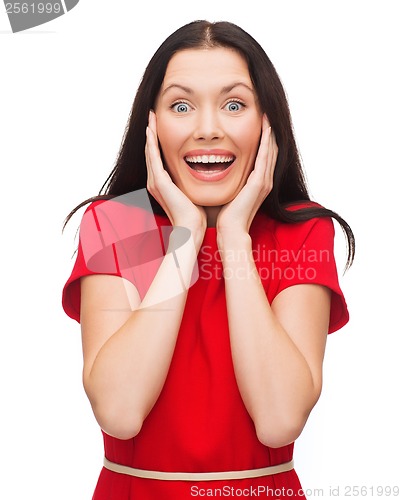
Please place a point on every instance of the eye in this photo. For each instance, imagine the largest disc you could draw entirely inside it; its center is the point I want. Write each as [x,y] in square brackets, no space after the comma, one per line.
[180,107]
[234,106]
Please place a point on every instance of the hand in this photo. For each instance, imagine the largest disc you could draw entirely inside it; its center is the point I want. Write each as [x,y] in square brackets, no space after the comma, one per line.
[178,207]
[239,213]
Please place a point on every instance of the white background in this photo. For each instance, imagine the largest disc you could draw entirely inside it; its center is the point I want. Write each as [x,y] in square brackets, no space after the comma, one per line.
[66,89]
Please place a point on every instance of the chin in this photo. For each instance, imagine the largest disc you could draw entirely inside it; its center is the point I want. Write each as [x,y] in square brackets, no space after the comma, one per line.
[211,201]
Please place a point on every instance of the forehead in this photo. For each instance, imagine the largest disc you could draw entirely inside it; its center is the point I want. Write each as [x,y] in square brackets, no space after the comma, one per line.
[221,65]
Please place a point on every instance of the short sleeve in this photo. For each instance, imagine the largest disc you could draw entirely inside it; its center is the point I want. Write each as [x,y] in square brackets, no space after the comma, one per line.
[307,257]
[117,240]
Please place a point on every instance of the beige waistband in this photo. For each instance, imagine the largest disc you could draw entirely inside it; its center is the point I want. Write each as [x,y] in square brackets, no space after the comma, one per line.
[198,476]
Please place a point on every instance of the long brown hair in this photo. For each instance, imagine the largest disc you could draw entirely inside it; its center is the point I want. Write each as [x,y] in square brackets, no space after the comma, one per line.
[289,185]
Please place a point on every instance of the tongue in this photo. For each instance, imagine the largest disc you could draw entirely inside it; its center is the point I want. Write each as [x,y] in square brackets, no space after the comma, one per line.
[206,167]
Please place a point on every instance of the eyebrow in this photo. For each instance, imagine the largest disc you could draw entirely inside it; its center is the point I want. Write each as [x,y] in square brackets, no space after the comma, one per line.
[229,88]
[187,90]
[224,90]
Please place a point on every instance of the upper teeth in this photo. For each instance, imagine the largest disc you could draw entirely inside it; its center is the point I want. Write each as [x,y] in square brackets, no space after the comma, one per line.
[209,159]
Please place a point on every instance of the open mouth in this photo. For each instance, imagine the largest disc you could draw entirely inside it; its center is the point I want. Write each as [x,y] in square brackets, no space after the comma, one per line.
[209,164]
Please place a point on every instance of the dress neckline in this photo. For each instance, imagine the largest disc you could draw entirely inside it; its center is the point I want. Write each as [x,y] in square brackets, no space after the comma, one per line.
[210,236]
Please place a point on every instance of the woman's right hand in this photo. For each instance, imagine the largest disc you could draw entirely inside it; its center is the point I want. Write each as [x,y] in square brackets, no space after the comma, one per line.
[178,207]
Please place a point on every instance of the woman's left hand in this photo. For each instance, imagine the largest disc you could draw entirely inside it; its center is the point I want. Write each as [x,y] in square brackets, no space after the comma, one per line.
[239,213]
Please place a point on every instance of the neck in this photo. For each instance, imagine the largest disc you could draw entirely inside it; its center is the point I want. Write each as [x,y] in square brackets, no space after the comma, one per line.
[212,214]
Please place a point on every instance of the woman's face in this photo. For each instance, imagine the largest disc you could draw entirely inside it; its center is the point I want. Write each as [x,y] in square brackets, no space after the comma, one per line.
[209,123]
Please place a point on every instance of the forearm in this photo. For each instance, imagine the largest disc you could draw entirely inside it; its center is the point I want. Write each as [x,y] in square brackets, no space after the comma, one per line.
[274,379]
[129,371]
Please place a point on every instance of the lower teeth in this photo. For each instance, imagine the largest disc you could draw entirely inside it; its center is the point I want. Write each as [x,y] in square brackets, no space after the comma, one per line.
[209,170]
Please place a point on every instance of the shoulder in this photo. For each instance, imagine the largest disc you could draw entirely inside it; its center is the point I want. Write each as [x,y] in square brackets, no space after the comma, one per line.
[294,234]
[119,207]
[115,238]
[118,218]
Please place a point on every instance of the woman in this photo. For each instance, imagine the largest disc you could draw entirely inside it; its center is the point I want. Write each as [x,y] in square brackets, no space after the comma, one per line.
[204,315]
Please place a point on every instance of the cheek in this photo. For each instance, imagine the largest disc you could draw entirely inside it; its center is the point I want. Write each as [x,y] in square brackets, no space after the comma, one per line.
[249,147]
[248,136]
[170,145]
[163,136]
[169,135]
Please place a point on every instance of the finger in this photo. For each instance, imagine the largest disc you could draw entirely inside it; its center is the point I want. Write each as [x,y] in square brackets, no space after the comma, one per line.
[148,156]
[154,150]
[152,121]
[272,158]
[159,181]
[266,120]
[263,152]
[151,138]
[152,153]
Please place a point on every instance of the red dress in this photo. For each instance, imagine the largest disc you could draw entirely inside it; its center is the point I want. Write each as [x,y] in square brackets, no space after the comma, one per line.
[199,423]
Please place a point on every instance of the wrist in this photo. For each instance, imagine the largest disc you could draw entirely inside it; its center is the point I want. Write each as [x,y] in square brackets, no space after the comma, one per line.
[232,240]
[182,233]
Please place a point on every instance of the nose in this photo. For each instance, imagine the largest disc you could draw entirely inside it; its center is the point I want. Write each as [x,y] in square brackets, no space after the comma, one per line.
[207,126]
